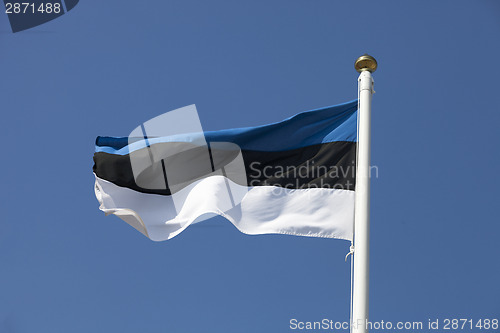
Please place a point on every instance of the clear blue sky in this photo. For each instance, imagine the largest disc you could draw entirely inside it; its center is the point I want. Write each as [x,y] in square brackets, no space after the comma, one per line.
[107,66]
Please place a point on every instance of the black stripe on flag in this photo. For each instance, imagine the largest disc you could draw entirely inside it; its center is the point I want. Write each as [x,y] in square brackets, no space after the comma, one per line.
[326,165]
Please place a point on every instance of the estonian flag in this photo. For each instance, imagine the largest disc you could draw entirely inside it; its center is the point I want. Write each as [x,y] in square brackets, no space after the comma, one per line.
[294,177]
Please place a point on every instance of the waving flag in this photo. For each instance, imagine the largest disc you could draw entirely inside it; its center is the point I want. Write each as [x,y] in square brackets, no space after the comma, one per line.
[293,177]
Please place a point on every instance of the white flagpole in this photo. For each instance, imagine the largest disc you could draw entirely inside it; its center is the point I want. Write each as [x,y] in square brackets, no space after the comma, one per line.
[365,65]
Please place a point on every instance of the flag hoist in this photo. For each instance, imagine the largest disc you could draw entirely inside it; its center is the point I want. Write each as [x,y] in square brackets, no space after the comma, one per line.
[365,65]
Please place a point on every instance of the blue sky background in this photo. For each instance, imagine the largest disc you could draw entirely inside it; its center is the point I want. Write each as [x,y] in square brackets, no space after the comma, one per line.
[108,66]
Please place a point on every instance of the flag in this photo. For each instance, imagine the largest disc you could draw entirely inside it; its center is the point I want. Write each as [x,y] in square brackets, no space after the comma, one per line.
[294,177]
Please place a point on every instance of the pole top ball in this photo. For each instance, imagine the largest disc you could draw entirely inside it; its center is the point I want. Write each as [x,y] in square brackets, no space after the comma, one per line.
[365,63]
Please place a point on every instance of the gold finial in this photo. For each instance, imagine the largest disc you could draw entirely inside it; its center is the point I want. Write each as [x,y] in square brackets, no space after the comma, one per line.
[365,63]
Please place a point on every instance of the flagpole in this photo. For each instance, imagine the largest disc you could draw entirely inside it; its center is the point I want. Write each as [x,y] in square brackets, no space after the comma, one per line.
[365,65]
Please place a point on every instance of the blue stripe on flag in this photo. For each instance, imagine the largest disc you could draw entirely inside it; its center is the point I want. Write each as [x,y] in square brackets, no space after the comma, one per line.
[329,124]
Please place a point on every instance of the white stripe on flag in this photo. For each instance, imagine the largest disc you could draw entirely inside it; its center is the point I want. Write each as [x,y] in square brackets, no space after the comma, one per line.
[314,212]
